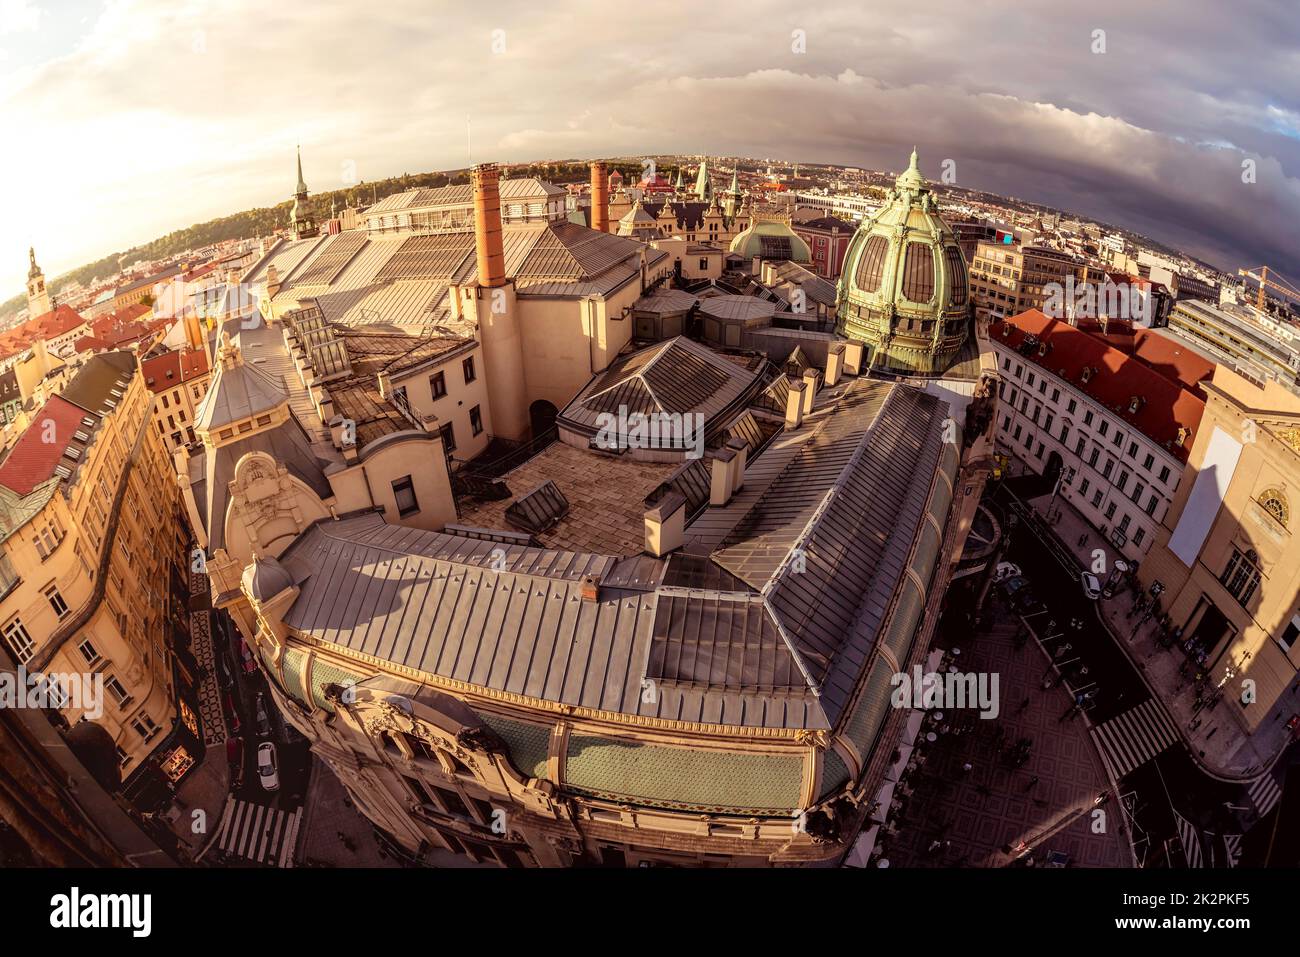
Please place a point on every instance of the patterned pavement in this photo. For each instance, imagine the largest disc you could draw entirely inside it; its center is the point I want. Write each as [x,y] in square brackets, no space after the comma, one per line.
[214,720]
[995,813]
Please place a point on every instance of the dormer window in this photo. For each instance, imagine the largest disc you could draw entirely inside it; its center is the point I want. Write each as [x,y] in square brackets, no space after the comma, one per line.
[1085,375]
[1135,404]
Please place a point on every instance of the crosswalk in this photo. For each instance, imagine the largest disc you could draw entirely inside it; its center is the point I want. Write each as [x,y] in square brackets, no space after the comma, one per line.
[1264,792]
[1133,738]
[1232,844]
[1190,838]
[264,835]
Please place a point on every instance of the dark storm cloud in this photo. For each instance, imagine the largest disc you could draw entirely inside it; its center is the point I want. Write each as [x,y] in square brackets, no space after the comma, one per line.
[195,108]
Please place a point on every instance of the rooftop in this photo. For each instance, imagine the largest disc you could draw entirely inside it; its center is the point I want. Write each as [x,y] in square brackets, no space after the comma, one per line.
[1116,378]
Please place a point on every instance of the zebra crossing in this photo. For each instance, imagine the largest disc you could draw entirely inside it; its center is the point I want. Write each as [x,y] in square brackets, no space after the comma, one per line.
[1264,793]
[1232,844]
[1133,738]
[264,835]
[1190,838]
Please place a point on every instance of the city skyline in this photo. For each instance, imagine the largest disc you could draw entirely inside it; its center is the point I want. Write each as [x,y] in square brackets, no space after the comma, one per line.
[1148,137]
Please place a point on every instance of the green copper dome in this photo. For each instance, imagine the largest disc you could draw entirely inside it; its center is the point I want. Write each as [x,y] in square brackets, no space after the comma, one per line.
[771,239]
[903,289]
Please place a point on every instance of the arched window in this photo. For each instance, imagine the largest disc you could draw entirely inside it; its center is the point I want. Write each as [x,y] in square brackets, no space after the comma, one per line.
[1274,502]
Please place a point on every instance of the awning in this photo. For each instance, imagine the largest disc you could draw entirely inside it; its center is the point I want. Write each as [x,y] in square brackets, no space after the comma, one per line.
[913,728]
[883,798]
[895,773]
[860,855]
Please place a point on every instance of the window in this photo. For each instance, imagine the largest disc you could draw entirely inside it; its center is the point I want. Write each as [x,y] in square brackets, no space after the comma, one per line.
[1030,380]
[1083,487]
[1151,505]
[475,420]
[404,495]
[468,368]
[1148,461]
[1047,424]
[1138,489]
[1087,417]
[1056,396]
[1065,433]
[448,437]
[1096,499]
[1164,475]
[56,601]
[1078,446]
[145,727]
[1103,428]
[1105,472]
[89,652]
[438,385]
[1016,434]
[118,692]
[1125,522]
[1140,534]
[1110,511]
[1039,451]
[20,643]
[1123,479]
[1133,450]
[1092,457]
[1071,406]
[1241,577]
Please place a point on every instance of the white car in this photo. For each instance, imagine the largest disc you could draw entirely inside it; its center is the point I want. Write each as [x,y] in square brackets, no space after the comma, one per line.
[1091,586]
[1005,570]
[267,772]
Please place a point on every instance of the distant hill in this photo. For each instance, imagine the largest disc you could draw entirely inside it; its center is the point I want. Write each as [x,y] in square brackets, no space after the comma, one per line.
[252,223]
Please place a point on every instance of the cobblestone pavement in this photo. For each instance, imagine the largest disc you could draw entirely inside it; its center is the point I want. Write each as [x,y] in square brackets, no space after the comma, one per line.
[995,814]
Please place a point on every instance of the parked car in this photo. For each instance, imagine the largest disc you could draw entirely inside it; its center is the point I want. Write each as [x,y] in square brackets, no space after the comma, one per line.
[1091,586]
[232,713]
[246,656]
[1006,570]
[263,719]
[267,768]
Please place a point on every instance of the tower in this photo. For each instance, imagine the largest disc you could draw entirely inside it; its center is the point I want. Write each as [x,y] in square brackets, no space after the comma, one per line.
[703,190]
[732,203]
[300,219]
[38,297]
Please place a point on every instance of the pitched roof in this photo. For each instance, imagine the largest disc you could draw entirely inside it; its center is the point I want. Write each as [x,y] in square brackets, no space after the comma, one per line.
[34,457]
[50,325]
[173,368]
[1173,359]
[1116,379]
[237,392]
[100,384]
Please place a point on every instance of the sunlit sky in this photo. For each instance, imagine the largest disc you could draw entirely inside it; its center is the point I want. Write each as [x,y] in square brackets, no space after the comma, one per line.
[125,120]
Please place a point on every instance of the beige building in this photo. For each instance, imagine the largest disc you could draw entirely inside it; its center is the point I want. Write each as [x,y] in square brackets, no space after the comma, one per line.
[613,652]
[179,379]
[1227,558]
[94,554]
[1007,279]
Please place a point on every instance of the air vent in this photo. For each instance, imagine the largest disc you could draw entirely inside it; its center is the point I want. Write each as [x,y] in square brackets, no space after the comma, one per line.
[81,436]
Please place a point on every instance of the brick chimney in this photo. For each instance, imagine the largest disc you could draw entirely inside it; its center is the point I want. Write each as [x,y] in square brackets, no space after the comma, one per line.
[600,197]
[487,225]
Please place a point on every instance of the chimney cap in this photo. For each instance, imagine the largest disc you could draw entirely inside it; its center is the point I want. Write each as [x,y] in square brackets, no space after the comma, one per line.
[667,507]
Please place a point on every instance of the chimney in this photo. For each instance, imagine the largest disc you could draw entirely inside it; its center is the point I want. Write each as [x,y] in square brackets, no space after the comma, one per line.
[741,448]
[794,404]
[590,588]
[600,197]
[853,358]
[665,525]
[722,477]
[272,281]
[487,225]
[834,363]
[810,379]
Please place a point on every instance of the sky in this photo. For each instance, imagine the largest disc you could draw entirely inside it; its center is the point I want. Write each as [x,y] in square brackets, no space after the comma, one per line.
[129,118]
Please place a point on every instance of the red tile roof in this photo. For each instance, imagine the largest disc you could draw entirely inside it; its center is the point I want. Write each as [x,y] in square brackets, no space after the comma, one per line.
[1173,360]
[1116,378]
[32,459]
[173,368]
[62,319]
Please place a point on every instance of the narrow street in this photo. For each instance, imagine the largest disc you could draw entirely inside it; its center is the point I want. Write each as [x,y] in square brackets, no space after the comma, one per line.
[1184,816]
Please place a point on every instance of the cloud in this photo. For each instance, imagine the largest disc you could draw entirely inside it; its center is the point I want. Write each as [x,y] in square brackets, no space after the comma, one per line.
[19,16]
[168,113]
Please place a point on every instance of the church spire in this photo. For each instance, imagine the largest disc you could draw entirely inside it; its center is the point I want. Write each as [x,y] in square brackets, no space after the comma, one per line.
[38,297]
[301,191]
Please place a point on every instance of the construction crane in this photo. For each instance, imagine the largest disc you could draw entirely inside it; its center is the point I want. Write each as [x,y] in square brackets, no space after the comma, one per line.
[1278,284]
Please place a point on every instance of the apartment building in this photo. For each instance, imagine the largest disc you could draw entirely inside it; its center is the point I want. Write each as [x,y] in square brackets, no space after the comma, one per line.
[92,571]
[1116,427]
[179,379]
[1006,279]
